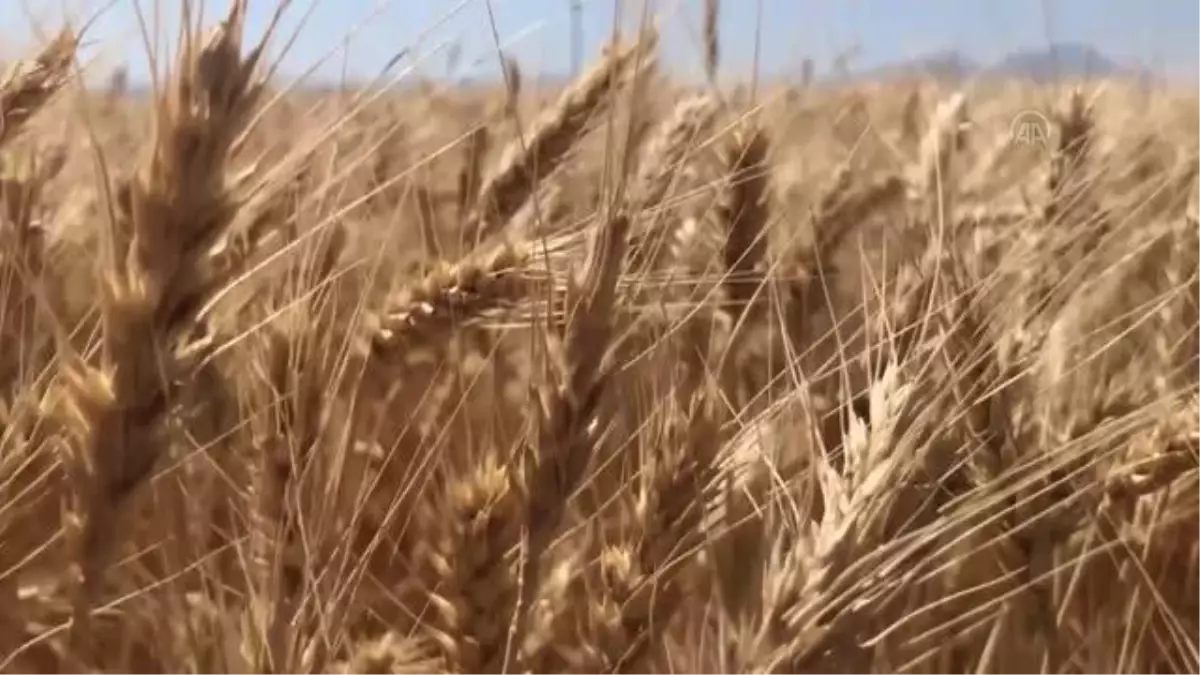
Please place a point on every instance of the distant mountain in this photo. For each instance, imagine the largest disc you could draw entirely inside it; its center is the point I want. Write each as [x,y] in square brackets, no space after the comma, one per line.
[1067,60]
[944,65]
[1059,61]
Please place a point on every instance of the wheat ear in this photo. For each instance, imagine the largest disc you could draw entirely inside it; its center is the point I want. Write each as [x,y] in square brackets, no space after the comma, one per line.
[474,570]
[525,162]
[642,580]
[568,428]
[665,157]
[24,91]
[168,215]
[742,213]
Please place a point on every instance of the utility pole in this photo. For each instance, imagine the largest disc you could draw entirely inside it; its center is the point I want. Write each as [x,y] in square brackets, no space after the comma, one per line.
[576,36]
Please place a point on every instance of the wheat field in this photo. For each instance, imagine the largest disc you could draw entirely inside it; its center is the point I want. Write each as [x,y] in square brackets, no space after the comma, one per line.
[635,376]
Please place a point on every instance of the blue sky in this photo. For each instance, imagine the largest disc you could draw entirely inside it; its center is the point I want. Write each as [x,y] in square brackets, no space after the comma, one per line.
[359,36]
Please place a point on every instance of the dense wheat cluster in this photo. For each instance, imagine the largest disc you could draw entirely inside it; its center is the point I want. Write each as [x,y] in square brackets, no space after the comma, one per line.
[631,377]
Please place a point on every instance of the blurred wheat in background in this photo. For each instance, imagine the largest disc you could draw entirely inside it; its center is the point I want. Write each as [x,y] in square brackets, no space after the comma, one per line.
[635,377]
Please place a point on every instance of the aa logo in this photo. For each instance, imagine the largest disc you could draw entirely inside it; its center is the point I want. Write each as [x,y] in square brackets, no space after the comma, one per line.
[1031,128]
